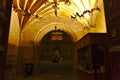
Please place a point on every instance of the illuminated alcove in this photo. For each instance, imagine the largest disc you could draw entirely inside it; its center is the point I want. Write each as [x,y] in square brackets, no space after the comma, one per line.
[35,18]
[31,20]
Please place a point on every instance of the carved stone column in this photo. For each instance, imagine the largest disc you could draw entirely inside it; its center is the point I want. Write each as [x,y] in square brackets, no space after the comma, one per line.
[2,46]
[5,12]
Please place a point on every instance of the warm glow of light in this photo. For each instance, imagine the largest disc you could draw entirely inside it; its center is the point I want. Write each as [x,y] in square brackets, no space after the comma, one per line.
[87,4]
[36,28]
[93,3]
[46,11]
[44,7]
[78,4]
[65,10]
[14,30]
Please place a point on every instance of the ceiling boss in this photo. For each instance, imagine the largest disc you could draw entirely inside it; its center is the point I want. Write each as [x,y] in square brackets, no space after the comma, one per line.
[56,4]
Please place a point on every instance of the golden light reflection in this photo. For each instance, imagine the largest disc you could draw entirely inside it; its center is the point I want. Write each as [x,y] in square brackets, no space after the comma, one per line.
[79,5]
[77,19]
[93,3]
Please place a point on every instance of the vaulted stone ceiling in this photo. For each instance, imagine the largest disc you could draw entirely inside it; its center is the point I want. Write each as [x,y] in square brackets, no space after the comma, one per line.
[76,17]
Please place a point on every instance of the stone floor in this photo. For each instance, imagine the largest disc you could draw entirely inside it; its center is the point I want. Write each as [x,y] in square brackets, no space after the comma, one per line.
[50,71]
[50,76]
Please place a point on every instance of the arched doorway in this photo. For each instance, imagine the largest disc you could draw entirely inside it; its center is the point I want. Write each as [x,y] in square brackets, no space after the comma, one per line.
[55,53]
